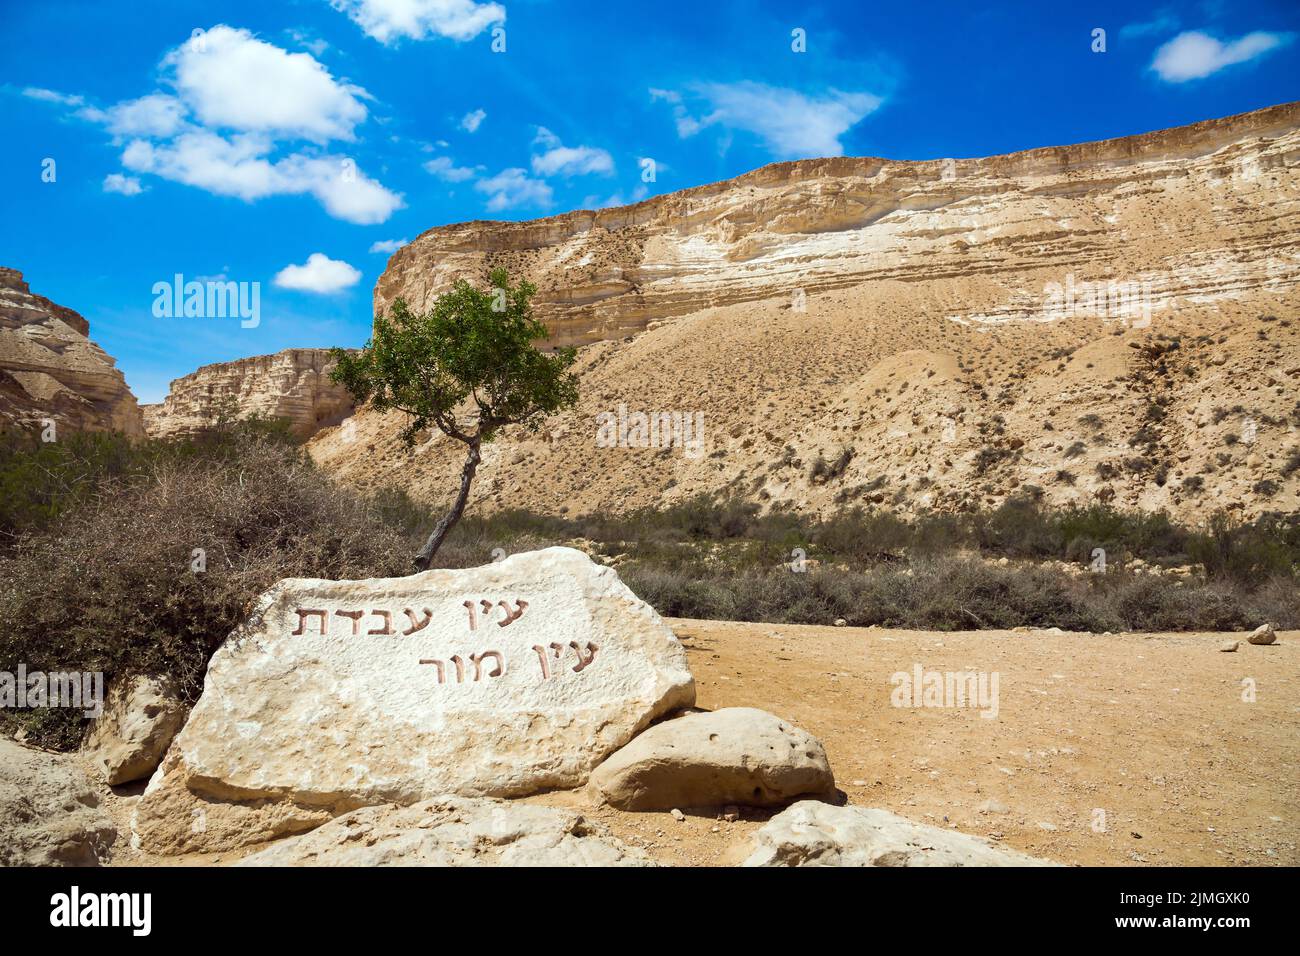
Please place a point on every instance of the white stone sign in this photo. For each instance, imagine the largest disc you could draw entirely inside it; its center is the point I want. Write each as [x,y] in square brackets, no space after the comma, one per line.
[499,680]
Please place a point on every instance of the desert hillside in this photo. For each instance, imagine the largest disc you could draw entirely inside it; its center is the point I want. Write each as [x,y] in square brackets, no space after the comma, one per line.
[51,370]
[1110,321]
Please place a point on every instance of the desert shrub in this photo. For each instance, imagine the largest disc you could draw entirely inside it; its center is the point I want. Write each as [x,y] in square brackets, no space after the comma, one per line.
[111,588]
[1018,528]
[1247,553]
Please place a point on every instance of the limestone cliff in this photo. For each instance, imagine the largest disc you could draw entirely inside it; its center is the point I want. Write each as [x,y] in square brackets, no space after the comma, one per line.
[50,369]
[1105,321]
[293,384]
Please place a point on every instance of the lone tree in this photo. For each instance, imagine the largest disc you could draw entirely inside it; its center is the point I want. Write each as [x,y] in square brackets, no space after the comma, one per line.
[473,353]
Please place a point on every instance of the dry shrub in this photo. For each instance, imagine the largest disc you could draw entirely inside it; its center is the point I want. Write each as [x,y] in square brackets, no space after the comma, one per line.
[110,587]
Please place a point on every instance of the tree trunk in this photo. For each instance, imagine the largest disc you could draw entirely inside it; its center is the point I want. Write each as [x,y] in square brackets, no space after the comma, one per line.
[431,546]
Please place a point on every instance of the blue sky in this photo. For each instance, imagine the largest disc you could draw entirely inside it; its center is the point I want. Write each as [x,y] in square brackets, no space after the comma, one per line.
[291,143]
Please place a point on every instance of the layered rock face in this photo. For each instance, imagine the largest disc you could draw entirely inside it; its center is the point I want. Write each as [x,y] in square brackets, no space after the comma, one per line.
[1107,321]
[50,370]
[293,385]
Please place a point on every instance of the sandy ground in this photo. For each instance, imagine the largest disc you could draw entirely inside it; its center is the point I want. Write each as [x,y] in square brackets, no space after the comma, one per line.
[1150,729]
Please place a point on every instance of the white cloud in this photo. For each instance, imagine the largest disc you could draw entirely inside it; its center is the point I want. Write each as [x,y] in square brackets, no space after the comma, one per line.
[1193,54]
[445,169]
[791,124]
[52,96]
[319,274]
[231,79]
[558,159]
[1163,23]
[305,40]
[514,187]
[126,185]
[472,121]
[239,167]
[157,114]
[388,245]
[238,100]
[389,20]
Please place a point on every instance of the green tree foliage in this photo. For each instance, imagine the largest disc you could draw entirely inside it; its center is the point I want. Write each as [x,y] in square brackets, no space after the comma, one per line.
[468,367]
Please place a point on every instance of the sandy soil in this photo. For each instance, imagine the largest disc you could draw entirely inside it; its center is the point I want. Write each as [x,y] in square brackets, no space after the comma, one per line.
[1152,729]
[1149,728]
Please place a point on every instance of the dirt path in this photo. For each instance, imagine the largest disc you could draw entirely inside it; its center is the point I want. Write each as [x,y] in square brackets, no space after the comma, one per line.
[1151,729]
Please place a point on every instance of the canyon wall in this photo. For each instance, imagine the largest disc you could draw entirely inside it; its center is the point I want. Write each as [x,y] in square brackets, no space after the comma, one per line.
[1113,321]
[51,370]
[293,384]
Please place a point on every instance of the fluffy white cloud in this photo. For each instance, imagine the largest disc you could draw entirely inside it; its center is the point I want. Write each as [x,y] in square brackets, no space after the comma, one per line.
[514,187]
[558,159]
[791,124]
[320,273]
[231,79]
[236,106]
[1193,55]
[388,245]
[157,114]
[239,167]
[389,20]
[445,169]
[126,185]
[52,96]
[472,121]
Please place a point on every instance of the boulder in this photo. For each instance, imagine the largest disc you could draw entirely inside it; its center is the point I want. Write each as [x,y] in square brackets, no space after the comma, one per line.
[818,834]
[500,680]
[454,831]
[49,811]
[1264,634]
[140,718]
[737,755]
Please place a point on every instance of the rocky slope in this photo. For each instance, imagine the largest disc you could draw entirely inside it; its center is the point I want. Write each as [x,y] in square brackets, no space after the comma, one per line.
[1112,320]
[293,384]
[50,369]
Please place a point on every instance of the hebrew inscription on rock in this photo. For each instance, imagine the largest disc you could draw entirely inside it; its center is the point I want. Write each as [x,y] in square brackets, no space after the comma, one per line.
[500,680]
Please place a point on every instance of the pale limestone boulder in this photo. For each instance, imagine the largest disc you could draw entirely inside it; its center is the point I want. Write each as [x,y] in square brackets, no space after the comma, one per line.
[141,716]
[818,834]
[737,755]
[492,681]
[50,813]
[454,831]
[1264,634]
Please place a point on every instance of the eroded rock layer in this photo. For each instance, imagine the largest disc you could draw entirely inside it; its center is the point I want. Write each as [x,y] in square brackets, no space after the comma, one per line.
[1106,321]
[293,384]
[50,370]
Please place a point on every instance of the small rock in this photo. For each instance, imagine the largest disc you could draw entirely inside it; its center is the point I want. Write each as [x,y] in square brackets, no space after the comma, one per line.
[1264,634]
[737,755]
[1229,646]
[818,834]
[139,721]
